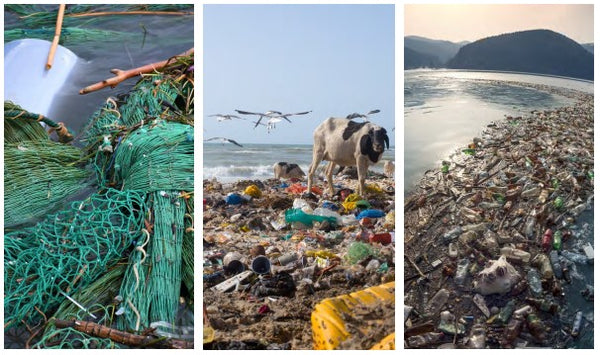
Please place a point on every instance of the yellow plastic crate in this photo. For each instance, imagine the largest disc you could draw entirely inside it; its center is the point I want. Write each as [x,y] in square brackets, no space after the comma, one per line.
[328,325]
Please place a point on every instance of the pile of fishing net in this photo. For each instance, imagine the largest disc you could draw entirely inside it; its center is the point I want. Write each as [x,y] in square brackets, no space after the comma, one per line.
[113,269]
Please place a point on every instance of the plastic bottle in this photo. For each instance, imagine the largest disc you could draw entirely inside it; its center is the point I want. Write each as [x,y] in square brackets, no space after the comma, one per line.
[556,264]
[547,240]
[426,339]
[516,254]
[452,251]
[589,252]
[523,310]
[438,301]
[543,305]
[513,329]
[480,303]
[543,264]
[574,257]
[535,284]
[506,311]
[461,271]
[529,227]
[452,234]
[536,328]
[477,337]
[566,272]
[577,324]
[558,203]
[557,240]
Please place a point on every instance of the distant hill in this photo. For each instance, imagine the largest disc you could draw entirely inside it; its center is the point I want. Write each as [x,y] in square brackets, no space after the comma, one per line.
[535,51]
[589,47]
[442,50]
[414,60]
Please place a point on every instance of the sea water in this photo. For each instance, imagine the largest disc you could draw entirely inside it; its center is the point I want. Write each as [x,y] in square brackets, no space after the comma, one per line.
[228,163]
[445,109]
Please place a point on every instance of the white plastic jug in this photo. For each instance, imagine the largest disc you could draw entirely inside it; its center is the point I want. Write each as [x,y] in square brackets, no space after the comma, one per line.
[27,83]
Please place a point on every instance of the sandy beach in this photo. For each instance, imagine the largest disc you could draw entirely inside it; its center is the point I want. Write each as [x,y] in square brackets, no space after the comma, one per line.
[308,264]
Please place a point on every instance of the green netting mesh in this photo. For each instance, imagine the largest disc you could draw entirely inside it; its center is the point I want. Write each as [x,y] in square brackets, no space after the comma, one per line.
[67,251]
[39,173]
[141,149]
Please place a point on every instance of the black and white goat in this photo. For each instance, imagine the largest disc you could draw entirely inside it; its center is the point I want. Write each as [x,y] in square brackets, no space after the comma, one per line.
[347,143]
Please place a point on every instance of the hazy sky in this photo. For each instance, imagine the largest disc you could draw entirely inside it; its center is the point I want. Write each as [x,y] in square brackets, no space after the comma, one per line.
[472,22]
[331,59]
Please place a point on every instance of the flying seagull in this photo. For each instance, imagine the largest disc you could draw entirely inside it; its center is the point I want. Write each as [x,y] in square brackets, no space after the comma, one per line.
[357,115]
[271,114]
[223,140]
[222,117]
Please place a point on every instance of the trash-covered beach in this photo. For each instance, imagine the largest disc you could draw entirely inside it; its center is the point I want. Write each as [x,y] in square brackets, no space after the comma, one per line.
[272,254]
[495,245]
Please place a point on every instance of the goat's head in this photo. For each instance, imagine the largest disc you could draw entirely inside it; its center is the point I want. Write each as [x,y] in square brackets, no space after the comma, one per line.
[379,137]
[373,143]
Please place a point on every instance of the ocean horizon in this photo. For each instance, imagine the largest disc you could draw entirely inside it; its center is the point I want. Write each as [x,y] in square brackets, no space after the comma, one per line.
[254,161]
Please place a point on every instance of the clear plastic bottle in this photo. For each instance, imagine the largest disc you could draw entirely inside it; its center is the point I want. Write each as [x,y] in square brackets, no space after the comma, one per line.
[577,324]
[556,267]
[461,272]
[535,283]
[438,301]
[426,339]
[516,254]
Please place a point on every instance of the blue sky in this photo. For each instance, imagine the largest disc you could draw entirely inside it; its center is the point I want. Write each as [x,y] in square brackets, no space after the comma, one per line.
[331,59]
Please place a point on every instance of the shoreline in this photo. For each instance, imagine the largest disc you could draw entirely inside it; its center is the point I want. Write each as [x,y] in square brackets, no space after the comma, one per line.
[324,264]
[522,176]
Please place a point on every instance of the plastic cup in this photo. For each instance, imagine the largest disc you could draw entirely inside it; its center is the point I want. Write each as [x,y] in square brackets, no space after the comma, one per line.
[261,265]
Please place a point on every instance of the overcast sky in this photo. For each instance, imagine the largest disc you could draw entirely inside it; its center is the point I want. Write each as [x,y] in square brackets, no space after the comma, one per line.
[458,23]
[331,59]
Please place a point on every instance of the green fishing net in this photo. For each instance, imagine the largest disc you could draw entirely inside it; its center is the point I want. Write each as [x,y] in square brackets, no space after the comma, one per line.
[122,257]
[39,174]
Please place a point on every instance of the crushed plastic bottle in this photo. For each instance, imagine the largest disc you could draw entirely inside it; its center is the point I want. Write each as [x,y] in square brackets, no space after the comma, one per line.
[461,271]
[437,301]
[426,339]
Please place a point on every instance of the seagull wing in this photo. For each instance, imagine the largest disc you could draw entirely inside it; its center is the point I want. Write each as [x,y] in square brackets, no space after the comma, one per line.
[258,122]
[234,142]
[247,112]
[354,115]
[299,113]
[373,111]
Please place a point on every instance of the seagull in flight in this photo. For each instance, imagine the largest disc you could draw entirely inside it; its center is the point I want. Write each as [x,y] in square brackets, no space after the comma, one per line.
[357,115]
[222,117]
[223,140]
[271,114]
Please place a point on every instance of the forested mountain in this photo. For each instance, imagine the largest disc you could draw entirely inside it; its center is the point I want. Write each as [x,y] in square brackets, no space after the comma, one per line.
[535,51]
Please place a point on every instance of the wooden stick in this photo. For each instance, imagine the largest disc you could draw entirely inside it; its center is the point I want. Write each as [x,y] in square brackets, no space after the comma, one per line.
[101,331]
[59,20]
[121,75]
[108,13]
